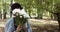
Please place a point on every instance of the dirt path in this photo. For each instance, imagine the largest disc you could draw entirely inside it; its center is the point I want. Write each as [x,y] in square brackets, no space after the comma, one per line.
[2,25]
[1,29]
[44,25]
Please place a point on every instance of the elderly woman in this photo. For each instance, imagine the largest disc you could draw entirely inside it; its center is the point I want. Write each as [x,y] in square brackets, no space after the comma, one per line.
[10,27]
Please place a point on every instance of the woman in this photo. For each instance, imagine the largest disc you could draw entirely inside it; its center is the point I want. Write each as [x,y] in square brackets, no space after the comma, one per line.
[16,7]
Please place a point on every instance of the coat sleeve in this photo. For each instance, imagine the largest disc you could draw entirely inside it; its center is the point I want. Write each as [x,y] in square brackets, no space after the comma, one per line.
[28,27]
[9,27]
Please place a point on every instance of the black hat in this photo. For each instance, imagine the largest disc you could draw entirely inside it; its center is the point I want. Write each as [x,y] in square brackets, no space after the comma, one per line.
[16,5]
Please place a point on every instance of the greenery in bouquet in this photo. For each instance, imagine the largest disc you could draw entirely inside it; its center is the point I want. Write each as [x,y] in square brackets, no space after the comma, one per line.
[19,19]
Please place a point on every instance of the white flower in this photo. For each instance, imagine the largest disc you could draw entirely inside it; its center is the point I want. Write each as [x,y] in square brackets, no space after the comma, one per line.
[16,10]
[21,12]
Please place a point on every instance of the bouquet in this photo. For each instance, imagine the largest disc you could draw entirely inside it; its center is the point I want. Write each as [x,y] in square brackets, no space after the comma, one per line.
[19,19]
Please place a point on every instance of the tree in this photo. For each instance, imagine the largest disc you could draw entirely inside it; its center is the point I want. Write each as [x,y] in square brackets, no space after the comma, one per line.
[0,9]
[10,5]
[4,9]
[57,5]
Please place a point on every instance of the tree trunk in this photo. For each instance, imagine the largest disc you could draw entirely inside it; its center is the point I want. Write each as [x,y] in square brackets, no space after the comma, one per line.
[5,15]
[39,16]
[55,17]
[0,15]
[58,16]
[11,11]
[39,13]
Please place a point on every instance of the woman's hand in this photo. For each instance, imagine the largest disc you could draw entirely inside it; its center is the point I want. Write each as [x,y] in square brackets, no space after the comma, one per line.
[21,27]
[25,29]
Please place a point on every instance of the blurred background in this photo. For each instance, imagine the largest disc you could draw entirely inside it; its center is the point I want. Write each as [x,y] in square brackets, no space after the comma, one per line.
[44,14]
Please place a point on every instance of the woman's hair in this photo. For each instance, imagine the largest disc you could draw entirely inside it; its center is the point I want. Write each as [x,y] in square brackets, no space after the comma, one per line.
[16,5]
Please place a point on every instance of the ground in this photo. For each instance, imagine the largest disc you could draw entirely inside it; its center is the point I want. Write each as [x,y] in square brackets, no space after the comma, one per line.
[44,25]
[37,25]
